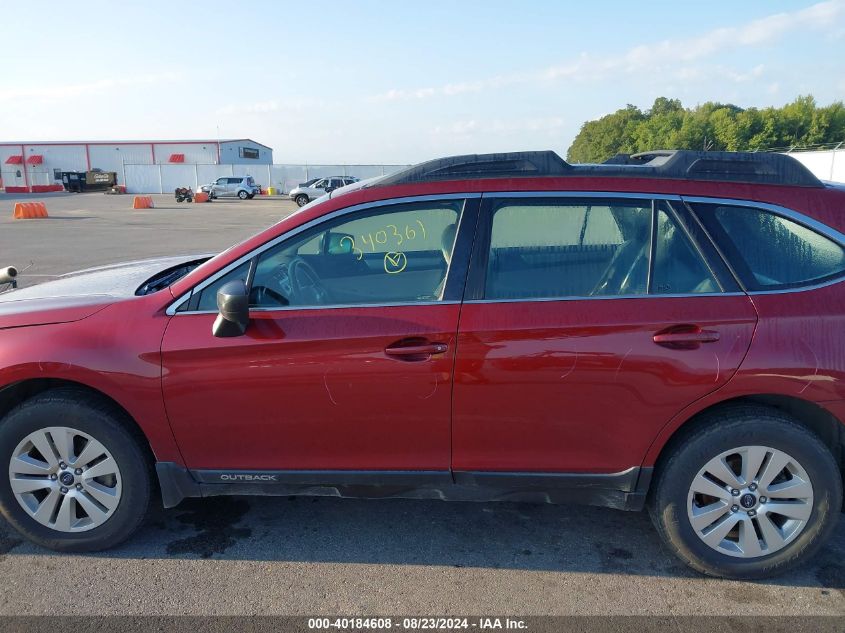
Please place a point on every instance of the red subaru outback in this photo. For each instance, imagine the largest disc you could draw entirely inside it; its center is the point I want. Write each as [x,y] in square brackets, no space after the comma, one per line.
[665,330]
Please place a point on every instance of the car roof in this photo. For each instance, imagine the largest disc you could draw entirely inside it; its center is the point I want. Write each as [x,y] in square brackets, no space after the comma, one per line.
[750,167]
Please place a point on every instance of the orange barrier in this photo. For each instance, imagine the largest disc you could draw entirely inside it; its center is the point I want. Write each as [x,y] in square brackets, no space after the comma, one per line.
[143,202]
[201,197]
[30,210]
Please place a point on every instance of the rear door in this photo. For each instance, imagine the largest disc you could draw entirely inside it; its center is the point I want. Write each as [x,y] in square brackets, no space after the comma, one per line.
[588,323]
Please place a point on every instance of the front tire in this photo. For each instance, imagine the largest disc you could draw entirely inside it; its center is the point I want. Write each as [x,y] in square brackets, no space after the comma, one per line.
[74,478]
[301,200]
[750,494]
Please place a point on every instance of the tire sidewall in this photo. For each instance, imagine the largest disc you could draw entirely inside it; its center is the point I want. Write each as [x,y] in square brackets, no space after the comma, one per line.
[672,497]
[135,479]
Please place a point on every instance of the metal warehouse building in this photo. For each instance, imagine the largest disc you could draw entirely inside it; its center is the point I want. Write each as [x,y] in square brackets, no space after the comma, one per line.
[36,167]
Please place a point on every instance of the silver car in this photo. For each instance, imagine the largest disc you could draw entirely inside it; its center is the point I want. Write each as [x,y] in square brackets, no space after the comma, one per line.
[305,192]
[231,186]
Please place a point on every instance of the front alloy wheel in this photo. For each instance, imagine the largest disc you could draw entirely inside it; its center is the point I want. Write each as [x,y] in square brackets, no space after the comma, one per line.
[79,476]
[65,479]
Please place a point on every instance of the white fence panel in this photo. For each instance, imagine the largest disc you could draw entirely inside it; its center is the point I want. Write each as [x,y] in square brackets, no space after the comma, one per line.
[173,176]
[286,177]
[210,173]
[143,179]
[825,164]
[165,178]
[259,173]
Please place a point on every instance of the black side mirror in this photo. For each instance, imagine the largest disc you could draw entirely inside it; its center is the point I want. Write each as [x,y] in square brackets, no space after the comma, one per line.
[233,306]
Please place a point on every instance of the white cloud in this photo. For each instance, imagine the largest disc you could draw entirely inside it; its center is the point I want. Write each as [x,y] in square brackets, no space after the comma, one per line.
[46,93]
[499,126]
[660,57]
[271,105]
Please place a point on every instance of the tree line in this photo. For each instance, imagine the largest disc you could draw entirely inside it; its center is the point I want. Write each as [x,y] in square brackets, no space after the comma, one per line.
[709,126]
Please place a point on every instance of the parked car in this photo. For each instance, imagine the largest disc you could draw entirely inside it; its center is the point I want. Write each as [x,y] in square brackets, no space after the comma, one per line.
[662,331]
[243,187]
[313,189]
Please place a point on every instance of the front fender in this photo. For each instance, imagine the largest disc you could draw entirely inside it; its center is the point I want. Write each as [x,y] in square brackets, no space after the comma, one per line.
[116,352]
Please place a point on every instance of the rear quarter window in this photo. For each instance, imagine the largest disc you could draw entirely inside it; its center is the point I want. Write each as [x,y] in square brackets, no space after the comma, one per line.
[769,251]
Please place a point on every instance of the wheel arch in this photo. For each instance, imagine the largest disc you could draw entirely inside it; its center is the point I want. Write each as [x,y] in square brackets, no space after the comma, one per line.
[16,393]
[811,415]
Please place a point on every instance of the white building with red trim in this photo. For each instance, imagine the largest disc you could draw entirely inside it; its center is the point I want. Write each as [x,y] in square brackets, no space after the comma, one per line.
[36,167]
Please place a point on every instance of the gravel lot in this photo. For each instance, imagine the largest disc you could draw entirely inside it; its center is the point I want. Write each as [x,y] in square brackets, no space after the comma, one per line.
[332,556]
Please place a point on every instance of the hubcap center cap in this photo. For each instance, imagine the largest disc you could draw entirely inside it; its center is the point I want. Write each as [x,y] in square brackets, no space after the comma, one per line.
[748,501]
[66,478]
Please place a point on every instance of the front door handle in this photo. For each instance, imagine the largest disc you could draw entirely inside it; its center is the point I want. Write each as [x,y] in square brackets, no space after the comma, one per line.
[685,337]
[408,350]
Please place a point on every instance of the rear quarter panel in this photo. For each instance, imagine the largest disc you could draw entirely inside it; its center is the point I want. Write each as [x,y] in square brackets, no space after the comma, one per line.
[798,350]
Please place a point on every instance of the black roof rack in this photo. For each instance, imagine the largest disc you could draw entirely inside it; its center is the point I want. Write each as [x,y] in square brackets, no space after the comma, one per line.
[747,167]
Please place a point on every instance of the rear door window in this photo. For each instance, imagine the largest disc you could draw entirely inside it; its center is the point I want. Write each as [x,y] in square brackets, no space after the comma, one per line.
[547,249]
[769,251]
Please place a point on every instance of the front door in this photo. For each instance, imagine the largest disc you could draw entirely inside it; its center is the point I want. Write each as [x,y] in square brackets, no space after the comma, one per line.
[347,362]
[590,323]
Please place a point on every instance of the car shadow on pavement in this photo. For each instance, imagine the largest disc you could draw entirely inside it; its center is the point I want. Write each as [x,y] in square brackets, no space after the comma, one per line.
[412,532]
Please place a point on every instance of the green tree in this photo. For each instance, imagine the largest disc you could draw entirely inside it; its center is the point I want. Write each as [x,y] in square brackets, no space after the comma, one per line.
[716,126]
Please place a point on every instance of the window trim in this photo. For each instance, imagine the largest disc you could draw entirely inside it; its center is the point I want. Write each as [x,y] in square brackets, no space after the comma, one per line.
[795,216]
[470,210]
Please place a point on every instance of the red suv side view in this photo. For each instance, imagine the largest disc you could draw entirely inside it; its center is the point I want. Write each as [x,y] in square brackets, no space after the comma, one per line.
[663,330]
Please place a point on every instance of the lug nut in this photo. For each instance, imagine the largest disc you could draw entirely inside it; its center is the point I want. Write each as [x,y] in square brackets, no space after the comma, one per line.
[763,499]
[78,471]
[752,487]
[64,490]
[735,492]
[62,465]
[734,508]
[752,513]
[53,477]
[79,486]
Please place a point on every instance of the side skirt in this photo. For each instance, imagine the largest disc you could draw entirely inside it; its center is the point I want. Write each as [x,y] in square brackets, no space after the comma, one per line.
[624,490]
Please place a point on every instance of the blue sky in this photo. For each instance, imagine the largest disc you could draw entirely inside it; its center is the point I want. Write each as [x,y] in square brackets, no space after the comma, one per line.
[372,81]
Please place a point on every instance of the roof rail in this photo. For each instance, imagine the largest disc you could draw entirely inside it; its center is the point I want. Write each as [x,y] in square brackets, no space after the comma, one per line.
[747,167]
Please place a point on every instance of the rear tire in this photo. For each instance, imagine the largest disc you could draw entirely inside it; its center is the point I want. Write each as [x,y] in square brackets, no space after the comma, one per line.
[91,512]
[733,529]
[243,195]
[301,200]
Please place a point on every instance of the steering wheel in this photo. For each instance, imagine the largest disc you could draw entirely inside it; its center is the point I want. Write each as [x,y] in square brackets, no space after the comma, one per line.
[264,296]
[303,283]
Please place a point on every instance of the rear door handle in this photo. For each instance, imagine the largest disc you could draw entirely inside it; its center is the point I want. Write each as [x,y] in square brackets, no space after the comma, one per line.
[685,338]
[415,352]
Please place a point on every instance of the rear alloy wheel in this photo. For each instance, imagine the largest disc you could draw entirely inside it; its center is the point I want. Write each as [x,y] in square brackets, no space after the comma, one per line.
[301,200]
[78,480]
[767,506]
[243,195]
[750,494]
